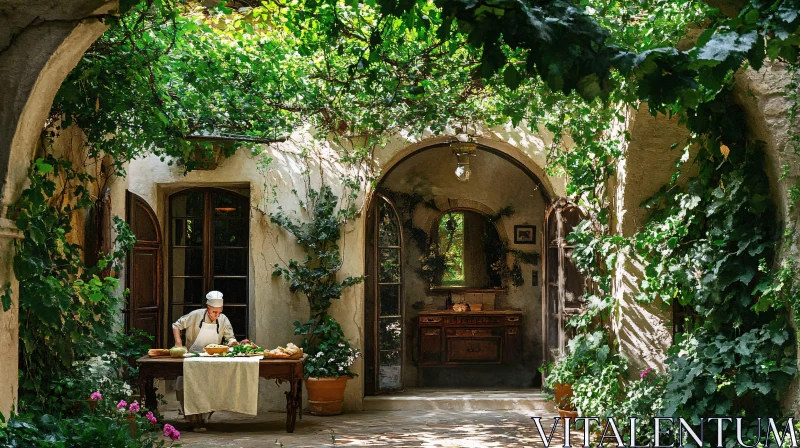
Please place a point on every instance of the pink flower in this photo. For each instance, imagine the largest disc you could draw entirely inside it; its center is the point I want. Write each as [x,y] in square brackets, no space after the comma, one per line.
[151,418]
[645,372]
[134,407]
[121,405]
[171,432]
[97,396]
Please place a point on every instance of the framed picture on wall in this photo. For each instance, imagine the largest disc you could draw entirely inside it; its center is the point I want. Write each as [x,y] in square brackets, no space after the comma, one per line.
[524,234]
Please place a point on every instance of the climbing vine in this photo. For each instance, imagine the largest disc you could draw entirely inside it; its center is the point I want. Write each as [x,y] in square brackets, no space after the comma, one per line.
[65,306]
[316,277]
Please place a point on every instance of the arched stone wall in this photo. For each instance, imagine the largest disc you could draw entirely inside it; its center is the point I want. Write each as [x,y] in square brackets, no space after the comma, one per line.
[761,94]
[39,45]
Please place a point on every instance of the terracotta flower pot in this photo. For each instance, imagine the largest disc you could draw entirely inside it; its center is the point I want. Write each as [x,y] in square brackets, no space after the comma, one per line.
[325,395]
[130,420]
[565,414]
[563,396]
[92,405]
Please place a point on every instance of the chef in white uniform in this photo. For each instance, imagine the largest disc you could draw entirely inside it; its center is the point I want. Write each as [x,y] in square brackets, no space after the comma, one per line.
[203,327]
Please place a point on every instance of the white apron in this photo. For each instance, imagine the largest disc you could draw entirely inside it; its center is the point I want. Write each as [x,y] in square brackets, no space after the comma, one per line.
[208,335]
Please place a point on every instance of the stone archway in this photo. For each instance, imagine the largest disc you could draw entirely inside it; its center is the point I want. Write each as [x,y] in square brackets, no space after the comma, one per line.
[504,177]
[39,45]
[515,155]
[762,96]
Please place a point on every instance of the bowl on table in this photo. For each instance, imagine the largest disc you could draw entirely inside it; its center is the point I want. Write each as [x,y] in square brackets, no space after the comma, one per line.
[216,349]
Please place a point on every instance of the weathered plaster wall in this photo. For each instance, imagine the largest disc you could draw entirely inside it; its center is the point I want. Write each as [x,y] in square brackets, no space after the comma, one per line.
[272,309]
[495,183]
[644,331]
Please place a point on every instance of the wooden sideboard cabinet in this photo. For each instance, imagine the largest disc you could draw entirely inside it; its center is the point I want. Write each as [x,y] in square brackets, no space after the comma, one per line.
[447,338]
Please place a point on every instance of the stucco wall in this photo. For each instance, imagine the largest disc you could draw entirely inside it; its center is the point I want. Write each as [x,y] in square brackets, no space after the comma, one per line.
[272,308]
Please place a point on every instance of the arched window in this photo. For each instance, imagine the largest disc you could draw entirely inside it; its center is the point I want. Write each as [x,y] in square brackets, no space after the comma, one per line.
[385,305]
[209,250]
[469,244]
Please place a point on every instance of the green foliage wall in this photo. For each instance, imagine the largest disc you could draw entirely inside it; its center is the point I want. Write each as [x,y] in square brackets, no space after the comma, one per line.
[706,247]
[67,309]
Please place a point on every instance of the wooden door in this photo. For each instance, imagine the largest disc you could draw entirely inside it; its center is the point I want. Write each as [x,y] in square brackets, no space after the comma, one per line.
[144,270]
[564,284]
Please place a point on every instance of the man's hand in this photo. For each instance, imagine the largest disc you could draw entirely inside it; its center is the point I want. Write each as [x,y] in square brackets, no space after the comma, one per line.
[176,334]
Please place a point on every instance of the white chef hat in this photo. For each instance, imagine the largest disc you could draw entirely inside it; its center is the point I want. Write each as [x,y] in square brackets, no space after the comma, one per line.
[214,298]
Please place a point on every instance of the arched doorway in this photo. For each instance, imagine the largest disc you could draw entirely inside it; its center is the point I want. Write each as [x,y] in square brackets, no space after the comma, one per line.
[42,45]
[422,195]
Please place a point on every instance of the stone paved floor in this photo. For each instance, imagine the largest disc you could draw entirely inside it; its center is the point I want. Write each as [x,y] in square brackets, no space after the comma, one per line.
[371,429]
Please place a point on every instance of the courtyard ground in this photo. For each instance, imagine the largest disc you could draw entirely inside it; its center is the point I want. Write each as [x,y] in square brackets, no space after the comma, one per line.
[371,429]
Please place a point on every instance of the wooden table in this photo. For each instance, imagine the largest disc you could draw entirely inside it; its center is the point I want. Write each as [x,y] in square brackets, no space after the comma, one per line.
[281,370]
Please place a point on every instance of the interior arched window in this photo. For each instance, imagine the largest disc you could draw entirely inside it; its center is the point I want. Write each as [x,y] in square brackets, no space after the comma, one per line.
[469,243]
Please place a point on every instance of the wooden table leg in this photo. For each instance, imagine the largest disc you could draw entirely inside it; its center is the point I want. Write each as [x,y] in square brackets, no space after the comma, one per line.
[148,391]
[293,404]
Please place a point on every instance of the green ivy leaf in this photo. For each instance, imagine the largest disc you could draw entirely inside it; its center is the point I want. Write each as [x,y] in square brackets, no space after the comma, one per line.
[44,168]
[6,298]
[511,77]
[725,45]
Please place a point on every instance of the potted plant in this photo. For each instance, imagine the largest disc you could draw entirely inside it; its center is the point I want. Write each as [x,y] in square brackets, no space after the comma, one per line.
[327,367]
[560,380]
[330,355]
[588,354]
[544,371]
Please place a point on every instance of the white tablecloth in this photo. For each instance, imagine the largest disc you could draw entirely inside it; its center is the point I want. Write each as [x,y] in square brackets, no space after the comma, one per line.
[220,384]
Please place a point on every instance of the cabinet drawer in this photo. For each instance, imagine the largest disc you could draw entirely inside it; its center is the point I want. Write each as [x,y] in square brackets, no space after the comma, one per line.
[471,332]
[474,320]
[475,350]
[430,319]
